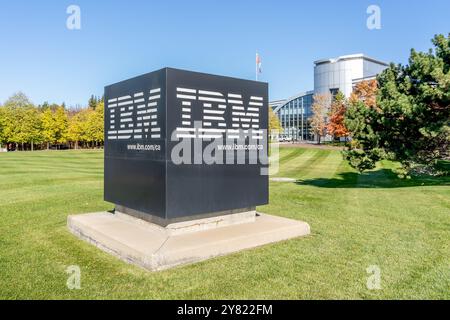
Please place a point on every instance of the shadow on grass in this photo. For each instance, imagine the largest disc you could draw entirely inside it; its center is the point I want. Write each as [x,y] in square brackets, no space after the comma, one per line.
[383,178]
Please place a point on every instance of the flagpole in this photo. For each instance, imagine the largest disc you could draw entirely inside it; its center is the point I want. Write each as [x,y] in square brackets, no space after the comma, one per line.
[256,66]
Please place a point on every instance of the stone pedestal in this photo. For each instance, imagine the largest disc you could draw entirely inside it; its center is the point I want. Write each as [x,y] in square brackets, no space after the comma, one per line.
[156,248]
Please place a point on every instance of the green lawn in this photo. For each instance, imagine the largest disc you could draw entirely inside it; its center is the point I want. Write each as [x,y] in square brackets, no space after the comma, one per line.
[357,221]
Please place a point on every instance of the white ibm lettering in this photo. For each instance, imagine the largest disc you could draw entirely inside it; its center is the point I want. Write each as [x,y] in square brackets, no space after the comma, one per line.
[132,117]
[245,115]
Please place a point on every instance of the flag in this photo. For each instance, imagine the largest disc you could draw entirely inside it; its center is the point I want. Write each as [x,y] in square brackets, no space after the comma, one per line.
[258,63]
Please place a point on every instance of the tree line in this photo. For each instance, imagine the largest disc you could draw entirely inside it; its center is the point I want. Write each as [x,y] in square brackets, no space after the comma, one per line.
[25,126]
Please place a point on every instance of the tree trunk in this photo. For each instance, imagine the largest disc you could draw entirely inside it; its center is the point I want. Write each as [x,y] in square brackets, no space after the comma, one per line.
[48,145]
[32,146]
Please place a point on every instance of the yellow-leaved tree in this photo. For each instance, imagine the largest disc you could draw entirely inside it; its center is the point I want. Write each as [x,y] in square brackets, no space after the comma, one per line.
[48,127]
[95,124]
[61,124]
[274,122]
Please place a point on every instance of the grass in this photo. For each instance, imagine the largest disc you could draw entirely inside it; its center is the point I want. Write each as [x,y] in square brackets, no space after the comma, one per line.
[402,226]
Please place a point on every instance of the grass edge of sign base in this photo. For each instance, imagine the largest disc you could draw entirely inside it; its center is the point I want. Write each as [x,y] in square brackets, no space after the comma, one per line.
[151,247]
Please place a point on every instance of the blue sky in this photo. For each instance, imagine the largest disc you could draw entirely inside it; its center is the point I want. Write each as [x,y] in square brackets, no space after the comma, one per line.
[121,39]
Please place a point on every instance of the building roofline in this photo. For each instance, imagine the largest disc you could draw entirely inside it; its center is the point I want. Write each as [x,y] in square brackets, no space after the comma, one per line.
[277,101]
[281,103]
[373,77]
[303,93]
[350,57]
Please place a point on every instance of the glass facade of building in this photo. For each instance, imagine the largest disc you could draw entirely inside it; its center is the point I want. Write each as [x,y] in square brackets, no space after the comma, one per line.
[294,115]
[330,77]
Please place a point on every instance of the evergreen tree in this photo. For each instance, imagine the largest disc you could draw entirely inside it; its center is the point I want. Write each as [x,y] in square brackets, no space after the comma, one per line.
[411,120]
[92,103]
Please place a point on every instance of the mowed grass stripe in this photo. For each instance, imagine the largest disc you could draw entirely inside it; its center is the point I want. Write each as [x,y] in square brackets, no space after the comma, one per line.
[302,168]
[287,154]
[324,166]
[290,165]
[15,195]
[284,155]
[36,181]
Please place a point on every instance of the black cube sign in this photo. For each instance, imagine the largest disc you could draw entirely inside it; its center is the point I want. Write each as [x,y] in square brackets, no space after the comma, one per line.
[181,145]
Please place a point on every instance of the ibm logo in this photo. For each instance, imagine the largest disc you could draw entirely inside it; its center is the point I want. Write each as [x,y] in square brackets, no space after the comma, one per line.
[245,114]
[131,117]
[134,117]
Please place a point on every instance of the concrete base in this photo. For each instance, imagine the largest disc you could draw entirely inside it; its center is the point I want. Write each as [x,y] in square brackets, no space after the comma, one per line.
[196,225]
[163,222]
[156,248]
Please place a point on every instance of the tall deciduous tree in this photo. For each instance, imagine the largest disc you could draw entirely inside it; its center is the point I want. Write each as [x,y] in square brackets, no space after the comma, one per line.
[319,109]
[274,122]
[31,126]
[366,92]
[7,124]
[61,124]
[18,124]
[2,125]
[18,100]
[48,127]
[336,126]
[410,122]
[75,128]
[95,124]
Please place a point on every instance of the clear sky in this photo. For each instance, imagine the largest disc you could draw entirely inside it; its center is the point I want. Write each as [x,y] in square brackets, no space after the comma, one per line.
[122,39]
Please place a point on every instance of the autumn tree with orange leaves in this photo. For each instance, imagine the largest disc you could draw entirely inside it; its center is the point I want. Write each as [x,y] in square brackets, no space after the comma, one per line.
[365,92]
[336,126]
